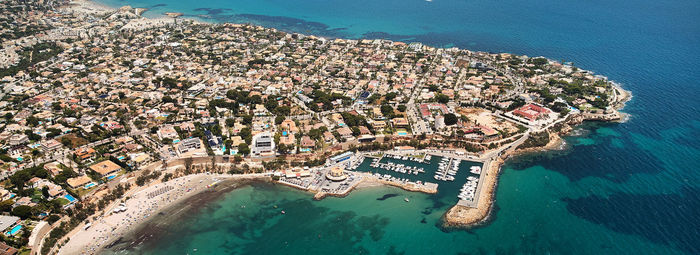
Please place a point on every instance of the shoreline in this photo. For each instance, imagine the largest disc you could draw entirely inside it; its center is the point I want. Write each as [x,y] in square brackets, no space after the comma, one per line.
[152,228]
[140,22]
[462,217]
[457,216]
[145,203]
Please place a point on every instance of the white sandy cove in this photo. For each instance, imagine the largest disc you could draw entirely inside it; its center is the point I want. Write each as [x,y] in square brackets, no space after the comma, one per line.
[142,23]
[140,207]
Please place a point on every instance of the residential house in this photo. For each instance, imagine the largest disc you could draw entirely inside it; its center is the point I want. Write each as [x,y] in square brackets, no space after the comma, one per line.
[18,139]
[189,144]
[79,181]
[84,153]
[345,133]
[263,144]
[328,137]
[400,122]
[105,168]
[307,142]
[50,145]
[167,132]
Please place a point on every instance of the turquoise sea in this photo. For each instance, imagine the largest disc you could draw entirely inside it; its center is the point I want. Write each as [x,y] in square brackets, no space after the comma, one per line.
[630,188]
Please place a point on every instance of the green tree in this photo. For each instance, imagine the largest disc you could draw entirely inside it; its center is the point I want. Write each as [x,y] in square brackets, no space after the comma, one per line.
[271,105]
[45,191]
[6,205]
[246,134]
[442,98]
[387,110]
[243,149]
[247,120]
[450,119]
[279,119]
[53,218]
[32,121]
[22,211]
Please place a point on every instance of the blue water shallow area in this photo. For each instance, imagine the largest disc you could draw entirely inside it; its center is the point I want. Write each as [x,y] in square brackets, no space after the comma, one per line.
[616,188]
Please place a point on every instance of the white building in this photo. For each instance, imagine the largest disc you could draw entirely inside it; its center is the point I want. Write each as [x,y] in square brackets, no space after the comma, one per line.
[263,144]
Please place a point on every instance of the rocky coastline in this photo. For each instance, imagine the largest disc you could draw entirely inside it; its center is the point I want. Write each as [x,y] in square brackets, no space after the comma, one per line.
[465,217]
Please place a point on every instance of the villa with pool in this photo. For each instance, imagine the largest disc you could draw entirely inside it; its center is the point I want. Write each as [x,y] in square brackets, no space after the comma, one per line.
[106,168]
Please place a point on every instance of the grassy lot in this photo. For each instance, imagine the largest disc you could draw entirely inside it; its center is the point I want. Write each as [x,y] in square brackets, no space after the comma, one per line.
[75,141]
[63,201]
[81,191]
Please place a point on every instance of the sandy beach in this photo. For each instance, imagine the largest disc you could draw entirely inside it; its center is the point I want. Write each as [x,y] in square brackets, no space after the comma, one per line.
[88,7]
[146,23]
[138,23]
[140,205]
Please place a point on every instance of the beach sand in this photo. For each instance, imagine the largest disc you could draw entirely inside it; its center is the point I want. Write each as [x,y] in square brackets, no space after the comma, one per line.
[141,205]
[139,23]
[88,7]
[147,23]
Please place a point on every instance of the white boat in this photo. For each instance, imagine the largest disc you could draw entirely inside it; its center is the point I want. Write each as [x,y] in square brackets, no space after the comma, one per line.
[475,169]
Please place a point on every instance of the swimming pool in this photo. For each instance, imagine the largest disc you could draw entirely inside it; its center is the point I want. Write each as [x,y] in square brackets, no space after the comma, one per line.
[111,177]
[70,198]
[90,185]
[14,230]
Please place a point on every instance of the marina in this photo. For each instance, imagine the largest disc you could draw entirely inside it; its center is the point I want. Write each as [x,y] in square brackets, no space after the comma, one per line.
[447,169]
[457,179]
[400,168]
[468,191]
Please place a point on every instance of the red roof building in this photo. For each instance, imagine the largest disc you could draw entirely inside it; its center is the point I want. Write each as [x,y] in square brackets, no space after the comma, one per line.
[531,111]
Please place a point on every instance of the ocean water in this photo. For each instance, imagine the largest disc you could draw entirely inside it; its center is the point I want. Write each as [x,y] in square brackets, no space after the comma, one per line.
[629,188]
